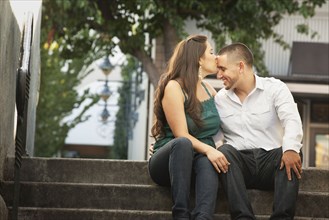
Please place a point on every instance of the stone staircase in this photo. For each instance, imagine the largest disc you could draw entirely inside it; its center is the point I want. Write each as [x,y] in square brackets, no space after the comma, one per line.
[90,189]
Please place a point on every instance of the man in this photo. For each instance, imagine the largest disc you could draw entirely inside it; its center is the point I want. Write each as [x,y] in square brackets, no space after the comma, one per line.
[262,135]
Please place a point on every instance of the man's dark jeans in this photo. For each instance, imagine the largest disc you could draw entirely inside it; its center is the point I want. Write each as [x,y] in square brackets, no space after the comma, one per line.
[258,169]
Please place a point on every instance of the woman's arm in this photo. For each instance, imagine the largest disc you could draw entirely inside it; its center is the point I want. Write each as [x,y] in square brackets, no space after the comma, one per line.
[173,106]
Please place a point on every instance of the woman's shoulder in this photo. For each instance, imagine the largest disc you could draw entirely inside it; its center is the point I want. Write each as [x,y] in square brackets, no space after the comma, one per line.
[174,82]
[173,85]
[174,90]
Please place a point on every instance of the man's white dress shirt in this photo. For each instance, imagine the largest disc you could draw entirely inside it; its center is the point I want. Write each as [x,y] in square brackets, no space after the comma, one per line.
[268,118]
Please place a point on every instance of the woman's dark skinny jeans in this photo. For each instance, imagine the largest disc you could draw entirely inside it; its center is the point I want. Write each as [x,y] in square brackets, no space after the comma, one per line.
[174,165]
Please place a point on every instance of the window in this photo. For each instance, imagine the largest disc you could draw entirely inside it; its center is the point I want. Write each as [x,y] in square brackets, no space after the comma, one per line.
[319,148]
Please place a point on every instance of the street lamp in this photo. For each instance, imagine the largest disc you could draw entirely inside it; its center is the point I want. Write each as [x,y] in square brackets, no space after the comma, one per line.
[106,93]
[133,97]
[105,65]
[104,115]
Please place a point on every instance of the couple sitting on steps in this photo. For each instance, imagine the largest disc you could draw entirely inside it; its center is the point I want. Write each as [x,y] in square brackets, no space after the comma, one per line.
[256,116]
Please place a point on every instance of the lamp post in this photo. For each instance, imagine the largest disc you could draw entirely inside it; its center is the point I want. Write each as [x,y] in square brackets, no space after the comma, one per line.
[131,96]
[105,65]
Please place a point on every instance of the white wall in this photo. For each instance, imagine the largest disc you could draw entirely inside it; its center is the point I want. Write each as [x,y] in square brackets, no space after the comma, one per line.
[92,131]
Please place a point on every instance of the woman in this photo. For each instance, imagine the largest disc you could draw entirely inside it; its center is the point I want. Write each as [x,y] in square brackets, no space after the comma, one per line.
[186,120]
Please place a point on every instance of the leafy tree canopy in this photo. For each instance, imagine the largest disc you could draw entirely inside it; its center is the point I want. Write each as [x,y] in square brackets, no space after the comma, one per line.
[57,100]
[99,25]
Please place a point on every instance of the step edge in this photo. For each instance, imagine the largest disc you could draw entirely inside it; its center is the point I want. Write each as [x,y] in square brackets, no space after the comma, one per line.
[302,192]
[84,184]
[118,160]
[135,211]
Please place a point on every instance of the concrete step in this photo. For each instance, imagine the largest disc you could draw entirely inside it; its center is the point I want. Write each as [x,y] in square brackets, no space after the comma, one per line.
[30,213]
[119,172]
[143,197]
[80,170]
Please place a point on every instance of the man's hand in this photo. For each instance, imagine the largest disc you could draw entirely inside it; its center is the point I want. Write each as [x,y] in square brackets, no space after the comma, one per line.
[291,160]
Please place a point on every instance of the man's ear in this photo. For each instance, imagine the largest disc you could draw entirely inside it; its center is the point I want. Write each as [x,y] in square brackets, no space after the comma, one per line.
[241,67]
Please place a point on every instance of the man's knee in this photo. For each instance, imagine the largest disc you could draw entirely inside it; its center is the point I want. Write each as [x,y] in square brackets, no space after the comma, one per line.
[227,150]
[232,155]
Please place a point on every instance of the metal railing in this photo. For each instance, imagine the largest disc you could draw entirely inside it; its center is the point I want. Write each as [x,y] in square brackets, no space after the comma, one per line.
[22,97]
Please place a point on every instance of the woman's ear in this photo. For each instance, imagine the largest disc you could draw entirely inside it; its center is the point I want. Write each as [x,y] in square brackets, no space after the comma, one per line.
[200,61]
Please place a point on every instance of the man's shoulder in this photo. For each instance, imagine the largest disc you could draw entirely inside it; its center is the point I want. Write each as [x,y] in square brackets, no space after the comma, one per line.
[271,82]
[269,79]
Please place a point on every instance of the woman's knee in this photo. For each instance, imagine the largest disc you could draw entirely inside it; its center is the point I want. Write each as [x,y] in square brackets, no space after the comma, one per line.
[182,144]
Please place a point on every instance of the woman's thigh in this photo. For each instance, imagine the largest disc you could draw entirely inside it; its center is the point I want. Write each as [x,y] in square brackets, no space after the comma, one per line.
[179,150]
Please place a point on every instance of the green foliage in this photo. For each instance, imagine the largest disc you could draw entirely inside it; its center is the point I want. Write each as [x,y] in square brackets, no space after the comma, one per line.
[131,22]
[63,66]
[57,100]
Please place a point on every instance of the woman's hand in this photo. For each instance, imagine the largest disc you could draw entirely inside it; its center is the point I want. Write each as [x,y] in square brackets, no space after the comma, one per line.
[218,160]
[151,150]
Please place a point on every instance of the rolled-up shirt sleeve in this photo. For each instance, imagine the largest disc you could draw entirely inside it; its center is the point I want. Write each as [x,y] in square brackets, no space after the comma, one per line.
[288,114]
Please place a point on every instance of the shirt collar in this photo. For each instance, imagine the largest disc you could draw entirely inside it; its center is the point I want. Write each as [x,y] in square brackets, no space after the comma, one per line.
[259,85]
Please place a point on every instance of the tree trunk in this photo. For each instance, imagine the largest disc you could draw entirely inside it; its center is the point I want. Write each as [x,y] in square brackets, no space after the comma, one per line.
[148,66]
[170,39]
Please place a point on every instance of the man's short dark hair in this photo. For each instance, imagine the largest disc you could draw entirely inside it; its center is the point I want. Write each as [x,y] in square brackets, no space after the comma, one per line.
[239,51]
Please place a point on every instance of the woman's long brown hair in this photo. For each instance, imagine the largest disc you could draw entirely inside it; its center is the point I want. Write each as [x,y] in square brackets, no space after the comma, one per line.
[183,66]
